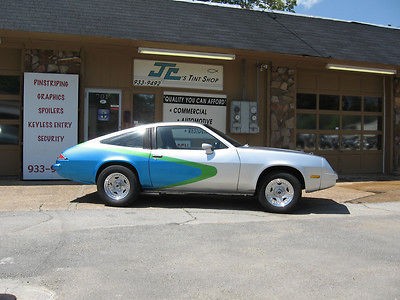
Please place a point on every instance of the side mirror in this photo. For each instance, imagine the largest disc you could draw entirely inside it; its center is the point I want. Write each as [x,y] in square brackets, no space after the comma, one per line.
[208,148]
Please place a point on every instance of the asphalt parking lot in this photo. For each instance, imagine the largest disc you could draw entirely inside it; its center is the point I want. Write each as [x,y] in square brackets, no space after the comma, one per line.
[63,195]
[59,241]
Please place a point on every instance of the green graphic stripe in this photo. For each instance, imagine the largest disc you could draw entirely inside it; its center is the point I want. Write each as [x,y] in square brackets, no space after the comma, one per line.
[206,171]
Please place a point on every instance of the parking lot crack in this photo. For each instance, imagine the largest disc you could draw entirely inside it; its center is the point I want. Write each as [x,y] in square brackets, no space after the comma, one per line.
[375,208]
[192,217]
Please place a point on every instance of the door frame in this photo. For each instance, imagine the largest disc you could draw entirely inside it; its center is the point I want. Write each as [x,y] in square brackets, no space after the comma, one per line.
[86,107]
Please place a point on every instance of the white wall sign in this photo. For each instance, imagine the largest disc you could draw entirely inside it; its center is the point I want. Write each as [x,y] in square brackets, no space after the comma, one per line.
[177,75]
[190,107]
[50,121]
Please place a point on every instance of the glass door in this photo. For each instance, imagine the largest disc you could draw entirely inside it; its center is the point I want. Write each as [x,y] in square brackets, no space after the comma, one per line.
[102,112]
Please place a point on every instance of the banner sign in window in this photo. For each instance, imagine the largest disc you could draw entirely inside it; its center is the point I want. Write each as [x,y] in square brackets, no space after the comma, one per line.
[177,75]
[50,121]
[190,107]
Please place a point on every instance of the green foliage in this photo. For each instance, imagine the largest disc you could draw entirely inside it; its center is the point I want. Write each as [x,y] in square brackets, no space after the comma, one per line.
[285,5]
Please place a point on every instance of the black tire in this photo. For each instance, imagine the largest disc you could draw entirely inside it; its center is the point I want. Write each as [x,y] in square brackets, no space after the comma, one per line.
[117,186]
[279,192]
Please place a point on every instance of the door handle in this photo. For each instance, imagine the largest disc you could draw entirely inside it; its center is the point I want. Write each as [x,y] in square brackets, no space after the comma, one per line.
[157,156]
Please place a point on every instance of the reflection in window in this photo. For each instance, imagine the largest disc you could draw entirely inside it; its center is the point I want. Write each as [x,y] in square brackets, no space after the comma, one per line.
[351,122]
[9,134]
[143,108]
[372,142]
[9,110]
[305,141]
[373,104]
[306,101]
[9,85]
[351,103]
[351,142]
[191,138]
[328,122]
[328,142]
[372,123]
[131,139]
[306,121]
[329,102]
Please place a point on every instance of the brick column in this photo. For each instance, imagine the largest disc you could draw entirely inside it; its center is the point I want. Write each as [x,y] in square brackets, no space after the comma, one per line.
[283,105]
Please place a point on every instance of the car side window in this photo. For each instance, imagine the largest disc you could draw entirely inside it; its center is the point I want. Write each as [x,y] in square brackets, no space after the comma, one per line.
[131,139]
[185,137]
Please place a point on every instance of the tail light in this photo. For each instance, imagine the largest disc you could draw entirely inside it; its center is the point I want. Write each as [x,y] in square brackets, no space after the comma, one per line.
[61,157]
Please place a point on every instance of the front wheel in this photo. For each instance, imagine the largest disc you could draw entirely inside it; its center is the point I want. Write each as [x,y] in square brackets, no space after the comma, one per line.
[117,186]
[279,192]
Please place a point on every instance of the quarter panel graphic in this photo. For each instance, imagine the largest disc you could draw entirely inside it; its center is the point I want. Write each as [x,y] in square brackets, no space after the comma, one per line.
[173,172]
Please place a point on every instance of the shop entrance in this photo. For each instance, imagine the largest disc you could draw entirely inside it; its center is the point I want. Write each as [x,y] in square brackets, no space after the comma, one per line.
[102,112]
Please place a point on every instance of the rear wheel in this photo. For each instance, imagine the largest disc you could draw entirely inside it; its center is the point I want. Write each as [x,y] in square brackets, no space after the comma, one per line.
[117,186]
[279,192]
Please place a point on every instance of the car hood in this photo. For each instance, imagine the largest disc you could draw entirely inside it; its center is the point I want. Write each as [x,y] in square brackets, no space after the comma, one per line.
[270,149]
[276,156]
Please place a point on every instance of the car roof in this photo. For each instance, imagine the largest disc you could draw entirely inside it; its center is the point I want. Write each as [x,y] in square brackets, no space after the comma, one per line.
[144,126]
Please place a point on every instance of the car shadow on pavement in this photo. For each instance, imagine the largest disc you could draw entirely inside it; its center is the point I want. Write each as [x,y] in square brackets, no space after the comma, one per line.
[307,206]
[321,206]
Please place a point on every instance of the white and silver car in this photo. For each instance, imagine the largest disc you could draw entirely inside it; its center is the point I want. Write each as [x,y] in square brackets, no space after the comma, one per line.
[180,157]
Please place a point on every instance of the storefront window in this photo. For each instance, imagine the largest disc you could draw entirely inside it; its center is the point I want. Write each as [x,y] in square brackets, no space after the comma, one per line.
[351,122]
[143,108]
[9,134]
[372,142]
[305,141]
[9,110]
[306,101]
[372,123]
[351,103]
[9,85]
[339,122]
[328,122]
[351,142]
[328,142]
[306,121]
[329,102]
[373,104]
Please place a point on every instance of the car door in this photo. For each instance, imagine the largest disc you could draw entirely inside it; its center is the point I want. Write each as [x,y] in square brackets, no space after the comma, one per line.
[178,161]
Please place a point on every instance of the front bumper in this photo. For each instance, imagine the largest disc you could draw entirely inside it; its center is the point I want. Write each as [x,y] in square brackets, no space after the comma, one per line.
[328,180]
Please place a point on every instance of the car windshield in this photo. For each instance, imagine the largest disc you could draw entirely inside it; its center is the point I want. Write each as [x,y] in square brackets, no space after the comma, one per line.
[226,137]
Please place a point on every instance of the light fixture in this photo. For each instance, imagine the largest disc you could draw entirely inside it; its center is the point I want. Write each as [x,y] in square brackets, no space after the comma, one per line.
[194,54]
[360,69]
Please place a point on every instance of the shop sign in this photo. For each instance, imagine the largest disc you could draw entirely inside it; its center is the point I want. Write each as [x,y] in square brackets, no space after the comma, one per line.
[177,75]
[50,121]
[206,109]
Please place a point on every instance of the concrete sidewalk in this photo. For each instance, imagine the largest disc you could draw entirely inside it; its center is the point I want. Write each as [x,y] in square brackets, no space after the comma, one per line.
[63,195]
